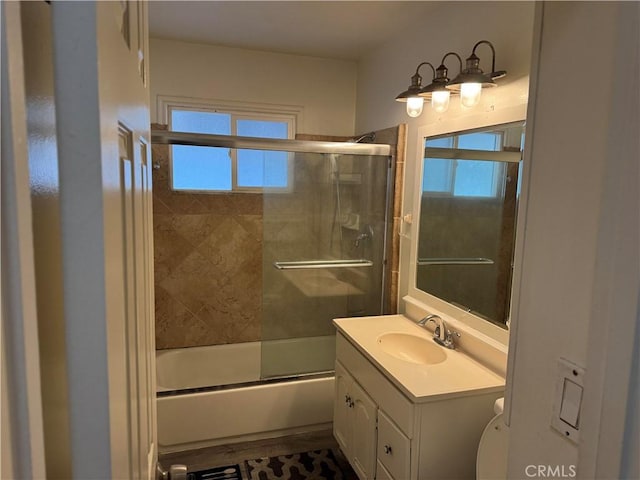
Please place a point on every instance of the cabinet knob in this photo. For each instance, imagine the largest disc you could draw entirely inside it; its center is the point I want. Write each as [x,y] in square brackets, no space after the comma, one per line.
[347,399]
[387,449]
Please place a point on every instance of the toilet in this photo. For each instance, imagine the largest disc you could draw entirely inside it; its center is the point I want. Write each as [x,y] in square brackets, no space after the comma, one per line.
[491,461]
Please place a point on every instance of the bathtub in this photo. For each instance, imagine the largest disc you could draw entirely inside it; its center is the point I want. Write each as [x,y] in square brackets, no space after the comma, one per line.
[183,368]
[229,413]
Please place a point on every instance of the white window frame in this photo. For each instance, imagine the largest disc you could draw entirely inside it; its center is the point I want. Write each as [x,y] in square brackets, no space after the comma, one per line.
[495,187]
[238,111]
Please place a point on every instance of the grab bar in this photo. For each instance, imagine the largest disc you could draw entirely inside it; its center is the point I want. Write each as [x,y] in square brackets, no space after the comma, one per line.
[454,261]
[308,264]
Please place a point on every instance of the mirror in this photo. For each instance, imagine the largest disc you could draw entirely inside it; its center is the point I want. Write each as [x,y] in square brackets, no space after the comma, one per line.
[468,209]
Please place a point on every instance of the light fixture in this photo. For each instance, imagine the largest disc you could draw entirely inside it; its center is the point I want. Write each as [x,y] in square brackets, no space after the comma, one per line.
[437,90]
[472,79]
[468,83]
[411,96]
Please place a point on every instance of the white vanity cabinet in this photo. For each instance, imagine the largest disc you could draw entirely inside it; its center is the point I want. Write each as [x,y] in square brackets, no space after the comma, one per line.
[388,434]
[355,424]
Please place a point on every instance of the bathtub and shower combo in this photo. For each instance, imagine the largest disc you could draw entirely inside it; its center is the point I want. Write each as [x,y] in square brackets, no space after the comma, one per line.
[324,250]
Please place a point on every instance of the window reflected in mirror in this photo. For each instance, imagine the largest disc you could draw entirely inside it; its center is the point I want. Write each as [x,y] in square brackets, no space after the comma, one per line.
[468,211]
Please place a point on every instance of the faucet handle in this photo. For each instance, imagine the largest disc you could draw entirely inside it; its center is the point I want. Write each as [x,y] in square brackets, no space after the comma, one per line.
[450,334]
[449,338]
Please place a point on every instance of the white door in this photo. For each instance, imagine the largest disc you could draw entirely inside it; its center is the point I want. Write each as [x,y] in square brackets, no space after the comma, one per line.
[102,107]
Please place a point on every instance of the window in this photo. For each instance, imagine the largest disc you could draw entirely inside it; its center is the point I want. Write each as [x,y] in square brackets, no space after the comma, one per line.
[464,178]
[213,169]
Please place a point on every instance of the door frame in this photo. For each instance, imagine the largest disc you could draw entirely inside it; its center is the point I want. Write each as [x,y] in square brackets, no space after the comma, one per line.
[23,431]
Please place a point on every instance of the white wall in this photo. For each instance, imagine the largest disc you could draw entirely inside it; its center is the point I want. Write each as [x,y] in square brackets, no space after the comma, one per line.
[325,88]
[452,26]
[579,287]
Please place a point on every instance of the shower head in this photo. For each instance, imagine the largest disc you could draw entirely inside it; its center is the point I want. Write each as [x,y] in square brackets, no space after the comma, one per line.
[371,136]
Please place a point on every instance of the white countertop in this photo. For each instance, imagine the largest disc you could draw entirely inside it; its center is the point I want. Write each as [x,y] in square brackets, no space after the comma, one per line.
[455,376]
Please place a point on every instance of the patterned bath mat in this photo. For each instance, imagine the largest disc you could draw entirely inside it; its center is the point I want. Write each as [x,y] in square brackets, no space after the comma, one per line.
[317,464]
[230,472]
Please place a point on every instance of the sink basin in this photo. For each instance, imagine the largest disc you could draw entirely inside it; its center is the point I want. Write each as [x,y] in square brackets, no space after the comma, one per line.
[412,348]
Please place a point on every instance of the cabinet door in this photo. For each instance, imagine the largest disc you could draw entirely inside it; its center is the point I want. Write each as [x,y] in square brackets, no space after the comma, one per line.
[381,472]
[394,448]
[363,447]
[342,425]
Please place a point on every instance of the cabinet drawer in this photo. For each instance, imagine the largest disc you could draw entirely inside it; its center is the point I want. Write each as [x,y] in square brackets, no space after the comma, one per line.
[381,472]
[394,448]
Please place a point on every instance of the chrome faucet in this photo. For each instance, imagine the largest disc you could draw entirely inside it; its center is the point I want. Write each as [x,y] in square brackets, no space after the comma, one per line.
[441,335]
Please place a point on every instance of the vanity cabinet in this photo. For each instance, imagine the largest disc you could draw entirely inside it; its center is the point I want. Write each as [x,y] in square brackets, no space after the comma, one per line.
[387,435]
[355,424]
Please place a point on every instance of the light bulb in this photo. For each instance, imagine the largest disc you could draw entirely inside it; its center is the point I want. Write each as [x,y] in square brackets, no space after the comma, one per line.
[414,106]
[470,94]
[440,100]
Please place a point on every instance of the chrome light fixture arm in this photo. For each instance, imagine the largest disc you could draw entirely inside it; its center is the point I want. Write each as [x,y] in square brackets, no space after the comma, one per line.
[494,74]
[411,96]
[417,74]
[442,69]
[416,84]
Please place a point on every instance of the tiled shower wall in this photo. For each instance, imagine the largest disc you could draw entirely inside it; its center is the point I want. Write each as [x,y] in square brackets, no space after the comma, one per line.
[208,263]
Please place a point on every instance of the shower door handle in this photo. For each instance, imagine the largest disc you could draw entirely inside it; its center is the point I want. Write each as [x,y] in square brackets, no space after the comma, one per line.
[310,264]
[454,261]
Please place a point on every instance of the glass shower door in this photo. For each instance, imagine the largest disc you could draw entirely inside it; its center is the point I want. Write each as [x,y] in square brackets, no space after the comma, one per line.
[323,257]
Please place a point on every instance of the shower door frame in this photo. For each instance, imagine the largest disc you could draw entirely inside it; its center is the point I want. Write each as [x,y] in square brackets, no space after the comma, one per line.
[165,137]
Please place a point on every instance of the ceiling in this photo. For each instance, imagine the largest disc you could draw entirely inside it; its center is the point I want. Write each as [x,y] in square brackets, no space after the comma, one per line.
[333,29]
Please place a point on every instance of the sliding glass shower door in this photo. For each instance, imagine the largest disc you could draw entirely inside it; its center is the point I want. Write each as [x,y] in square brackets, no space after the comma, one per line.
[324,239]
[261,270]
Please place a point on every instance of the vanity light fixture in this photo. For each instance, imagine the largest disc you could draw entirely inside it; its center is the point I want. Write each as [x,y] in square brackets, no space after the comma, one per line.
[468,83]
[412,96]
[437,90]
[472,79]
